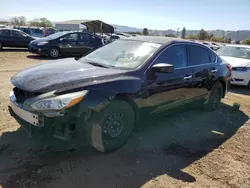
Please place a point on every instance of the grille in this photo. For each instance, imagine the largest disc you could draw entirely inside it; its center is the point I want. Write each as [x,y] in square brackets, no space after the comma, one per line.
[22,95]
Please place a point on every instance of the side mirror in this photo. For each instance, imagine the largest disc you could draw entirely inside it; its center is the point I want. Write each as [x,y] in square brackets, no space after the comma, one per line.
[163,68]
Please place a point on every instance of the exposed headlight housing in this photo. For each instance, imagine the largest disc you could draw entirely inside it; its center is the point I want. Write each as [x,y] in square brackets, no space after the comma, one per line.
[42,43]
[58,103]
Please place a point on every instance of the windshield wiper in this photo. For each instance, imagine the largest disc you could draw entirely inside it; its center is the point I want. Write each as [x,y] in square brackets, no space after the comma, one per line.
[98,64]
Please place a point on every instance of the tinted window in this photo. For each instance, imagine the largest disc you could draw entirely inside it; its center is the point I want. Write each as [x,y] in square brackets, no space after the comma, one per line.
[71,37]
[175,55]
[85,37]
[198,55]
[16,34]
[5,33]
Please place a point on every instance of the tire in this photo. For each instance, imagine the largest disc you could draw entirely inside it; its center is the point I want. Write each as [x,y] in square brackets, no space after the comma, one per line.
[1,45]
[214,97]
[54,52]
[110,129]
[248,85]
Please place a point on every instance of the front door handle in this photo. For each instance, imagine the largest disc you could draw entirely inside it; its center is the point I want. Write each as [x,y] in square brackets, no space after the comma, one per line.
[213,70]
[187,77]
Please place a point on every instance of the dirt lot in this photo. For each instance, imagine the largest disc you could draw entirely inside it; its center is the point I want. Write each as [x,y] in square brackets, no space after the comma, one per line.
[190,149]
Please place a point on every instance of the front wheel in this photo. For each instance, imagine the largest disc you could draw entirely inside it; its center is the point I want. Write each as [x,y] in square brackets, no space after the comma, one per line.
[214,97]
[1,45]
[54,52]
[111,128]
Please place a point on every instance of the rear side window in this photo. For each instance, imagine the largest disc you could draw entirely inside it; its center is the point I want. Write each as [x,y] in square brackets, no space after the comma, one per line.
[5,33]
[198,55]
[212,57]
[175,55]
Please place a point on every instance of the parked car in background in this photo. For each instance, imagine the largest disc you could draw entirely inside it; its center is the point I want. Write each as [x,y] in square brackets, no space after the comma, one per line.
[14,38]
[32,31]
[72,43]
[239,58]
[211,45]
[48,31]
[102,95]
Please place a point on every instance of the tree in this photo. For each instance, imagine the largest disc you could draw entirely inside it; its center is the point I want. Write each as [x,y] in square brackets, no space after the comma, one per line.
[145,31]
[35,22]
[192,36]
[44,22]
[41,22]
[170,35]
[183,33]
[247,41]
[218,39]
[20,21]
[202,35]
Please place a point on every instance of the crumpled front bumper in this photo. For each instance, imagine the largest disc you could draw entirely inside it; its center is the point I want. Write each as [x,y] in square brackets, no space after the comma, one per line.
[64,127]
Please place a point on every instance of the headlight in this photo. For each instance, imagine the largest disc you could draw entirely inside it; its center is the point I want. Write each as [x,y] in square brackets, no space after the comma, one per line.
[241,68]
[59,102]
[42,43]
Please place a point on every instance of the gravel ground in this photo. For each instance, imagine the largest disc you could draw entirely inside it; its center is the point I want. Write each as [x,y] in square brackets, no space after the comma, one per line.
[191,148]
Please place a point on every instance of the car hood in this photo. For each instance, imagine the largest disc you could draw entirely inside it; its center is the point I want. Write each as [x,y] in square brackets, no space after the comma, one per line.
[62,74]
[236,62]
[37,40]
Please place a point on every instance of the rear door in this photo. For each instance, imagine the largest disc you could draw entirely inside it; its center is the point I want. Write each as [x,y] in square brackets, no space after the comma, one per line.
[204,66]
[68,44]
[167,90]
[85,43]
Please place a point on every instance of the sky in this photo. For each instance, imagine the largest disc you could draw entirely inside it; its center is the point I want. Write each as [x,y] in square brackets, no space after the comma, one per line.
[152,14]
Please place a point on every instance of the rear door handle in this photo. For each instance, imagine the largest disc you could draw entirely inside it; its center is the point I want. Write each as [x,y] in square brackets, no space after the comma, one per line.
[213,70]
[187,77]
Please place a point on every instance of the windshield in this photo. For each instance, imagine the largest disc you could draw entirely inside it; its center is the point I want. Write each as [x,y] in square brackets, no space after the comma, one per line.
[122,54]
[234,51]
[57,35]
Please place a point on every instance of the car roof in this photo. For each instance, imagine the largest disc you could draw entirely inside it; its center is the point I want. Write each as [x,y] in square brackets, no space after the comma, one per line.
[162,40]
[10,29]
[239,45]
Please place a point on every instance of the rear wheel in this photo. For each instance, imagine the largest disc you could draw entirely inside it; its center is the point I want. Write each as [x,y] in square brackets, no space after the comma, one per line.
[54,52]
[248,85]
[111,128]
[214,97]
[1,45]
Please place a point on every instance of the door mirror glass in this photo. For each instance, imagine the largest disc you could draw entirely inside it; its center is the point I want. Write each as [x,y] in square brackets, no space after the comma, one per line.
[163,68]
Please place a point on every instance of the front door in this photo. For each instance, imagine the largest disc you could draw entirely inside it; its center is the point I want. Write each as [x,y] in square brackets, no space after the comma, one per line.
[68,44]
[168,90]
[19,39]
[204,66]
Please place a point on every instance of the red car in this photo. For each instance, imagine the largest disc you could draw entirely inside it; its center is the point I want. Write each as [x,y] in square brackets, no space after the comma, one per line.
[48,31]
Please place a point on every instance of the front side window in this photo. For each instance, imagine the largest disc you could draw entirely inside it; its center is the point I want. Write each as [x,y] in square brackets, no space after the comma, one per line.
[84,37]
[126,54]
[175,55]
[198,55]
[71,37]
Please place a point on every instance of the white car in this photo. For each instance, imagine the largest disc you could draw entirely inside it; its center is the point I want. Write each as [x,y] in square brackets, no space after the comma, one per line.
[238,56]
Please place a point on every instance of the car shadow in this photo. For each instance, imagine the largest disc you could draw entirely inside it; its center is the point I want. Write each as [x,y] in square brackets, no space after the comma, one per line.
[240,90]
[39,57]
[14,50]
[163,144]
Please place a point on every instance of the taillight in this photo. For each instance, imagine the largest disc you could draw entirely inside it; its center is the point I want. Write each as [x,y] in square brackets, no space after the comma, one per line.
[229,67]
